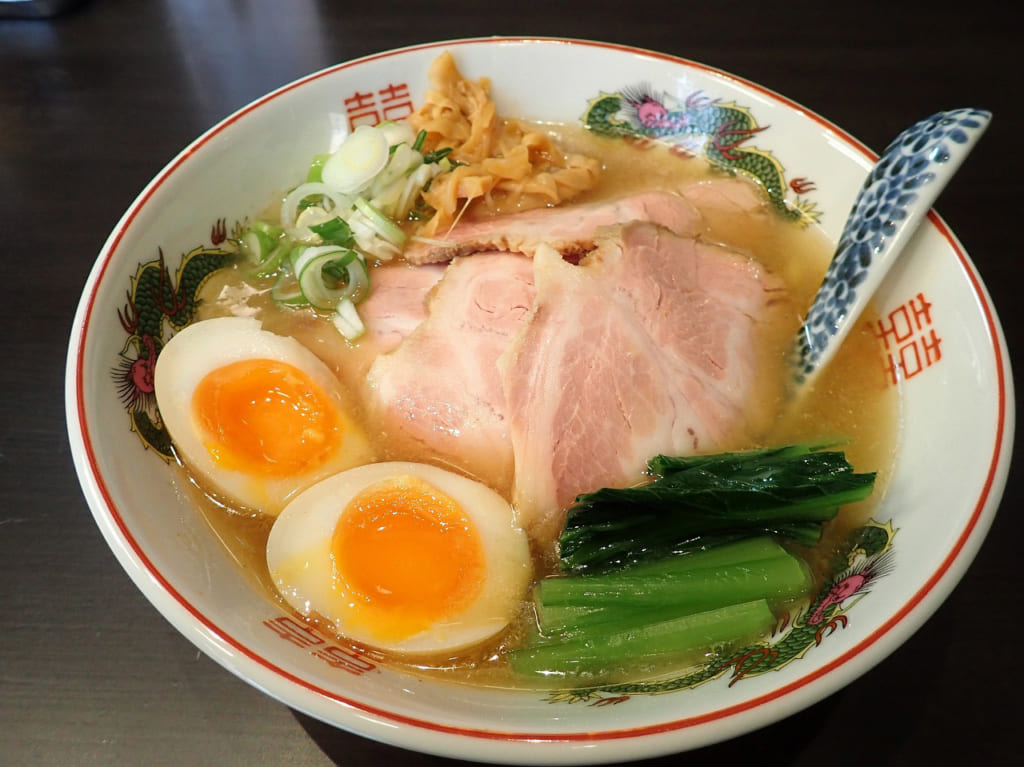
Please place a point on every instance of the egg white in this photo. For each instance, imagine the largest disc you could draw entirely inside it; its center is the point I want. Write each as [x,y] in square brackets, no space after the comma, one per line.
[205,346]
[300,564]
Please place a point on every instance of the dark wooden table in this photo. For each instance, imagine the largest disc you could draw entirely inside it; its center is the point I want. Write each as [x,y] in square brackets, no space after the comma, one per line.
[95,101]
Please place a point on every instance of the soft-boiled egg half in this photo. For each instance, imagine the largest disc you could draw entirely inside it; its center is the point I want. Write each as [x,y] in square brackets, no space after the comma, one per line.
[256,416]
[404,557]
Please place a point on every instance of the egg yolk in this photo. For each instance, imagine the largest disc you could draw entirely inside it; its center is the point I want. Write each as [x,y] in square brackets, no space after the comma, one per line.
[407,555]
[266,418]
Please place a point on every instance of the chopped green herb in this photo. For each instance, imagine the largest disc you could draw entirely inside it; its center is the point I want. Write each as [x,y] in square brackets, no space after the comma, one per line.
[420,138]
[335,232]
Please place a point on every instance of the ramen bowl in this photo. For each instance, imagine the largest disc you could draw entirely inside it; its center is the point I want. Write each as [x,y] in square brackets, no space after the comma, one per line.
[940,347]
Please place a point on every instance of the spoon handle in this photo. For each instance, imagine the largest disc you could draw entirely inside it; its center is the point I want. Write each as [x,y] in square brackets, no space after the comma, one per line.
[897,194]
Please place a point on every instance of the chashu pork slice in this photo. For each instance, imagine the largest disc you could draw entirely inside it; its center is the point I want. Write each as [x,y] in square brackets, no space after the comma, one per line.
[569,229]
[654,343]
[395,307]
[439,392]
[397,303]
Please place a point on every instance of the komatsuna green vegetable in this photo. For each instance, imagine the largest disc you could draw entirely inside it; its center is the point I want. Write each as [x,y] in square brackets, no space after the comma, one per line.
[685,566]
[696,502]
[614,652]
[672,611]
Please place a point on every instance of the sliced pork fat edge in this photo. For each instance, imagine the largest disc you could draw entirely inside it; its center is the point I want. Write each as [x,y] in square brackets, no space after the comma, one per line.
[569,229]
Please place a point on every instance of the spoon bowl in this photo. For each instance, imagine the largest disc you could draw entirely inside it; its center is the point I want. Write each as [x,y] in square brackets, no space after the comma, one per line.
[897,194]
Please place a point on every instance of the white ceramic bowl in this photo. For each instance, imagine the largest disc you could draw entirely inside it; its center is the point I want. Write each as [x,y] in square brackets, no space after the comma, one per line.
[948,478]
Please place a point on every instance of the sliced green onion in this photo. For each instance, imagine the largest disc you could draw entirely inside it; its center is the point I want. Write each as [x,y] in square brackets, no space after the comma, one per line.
[414,185]
[313,215]
[396,133]
[383,226]
[315,172]
[387,188]
[420,138]
[347,320]
[275,259]
[293,257]
[290,206]
[437,155]
[256,246]
[334,232]
[273,231]
[318,269]
[367,240]
[402,162]
[359,158]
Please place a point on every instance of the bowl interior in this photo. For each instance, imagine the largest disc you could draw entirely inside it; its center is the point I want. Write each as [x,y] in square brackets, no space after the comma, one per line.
[938,328]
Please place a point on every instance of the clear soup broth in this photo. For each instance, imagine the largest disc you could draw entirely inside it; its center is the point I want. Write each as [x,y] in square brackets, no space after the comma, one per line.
[851,404]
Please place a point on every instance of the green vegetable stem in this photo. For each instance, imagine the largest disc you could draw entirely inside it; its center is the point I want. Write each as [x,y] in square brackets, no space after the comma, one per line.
[690,564]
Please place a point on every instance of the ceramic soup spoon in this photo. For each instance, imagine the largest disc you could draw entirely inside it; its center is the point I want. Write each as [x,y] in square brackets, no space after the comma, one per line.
[898,192]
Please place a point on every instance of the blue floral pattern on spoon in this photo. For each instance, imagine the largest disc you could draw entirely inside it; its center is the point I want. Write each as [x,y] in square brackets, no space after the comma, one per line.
[898,192]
